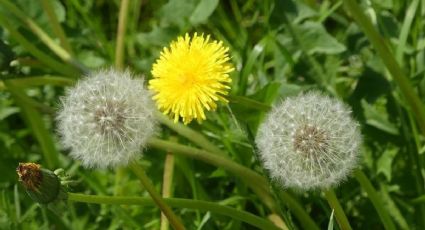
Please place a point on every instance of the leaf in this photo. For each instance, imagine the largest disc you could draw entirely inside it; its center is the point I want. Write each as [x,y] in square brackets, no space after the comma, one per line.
[378,120]
[392,208]
[91,59]
[4,113]
[317,40]
[331,221]
[385,161]
[176,12]
[295,11]
[158,36]
[35,11]
[203,11]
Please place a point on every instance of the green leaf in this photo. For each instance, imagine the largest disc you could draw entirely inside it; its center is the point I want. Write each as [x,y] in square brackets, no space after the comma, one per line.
[385,161]
[392,207]
[158,36]
[376,119]
[203,11]
[5,112]
[317,40]
[176,12]
[35,11]
[331,221]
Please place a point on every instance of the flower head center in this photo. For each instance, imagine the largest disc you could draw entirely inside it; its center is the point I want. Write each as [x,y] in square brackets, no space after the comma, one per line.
[189,80]
[110,118]
[310,140]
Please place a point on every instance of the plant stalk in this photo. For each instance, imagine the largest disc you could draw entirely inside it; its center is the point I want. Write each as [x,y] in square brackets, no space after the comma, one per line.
[190,134]
[122,23]
[256,182]
[376,199]
[178,203]
[338,211]
[147,184]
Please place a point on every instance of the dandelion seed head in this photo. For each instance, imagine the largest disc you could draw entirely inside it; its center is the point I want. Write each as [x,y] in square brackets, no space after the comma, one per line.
[106,119]
[309,141]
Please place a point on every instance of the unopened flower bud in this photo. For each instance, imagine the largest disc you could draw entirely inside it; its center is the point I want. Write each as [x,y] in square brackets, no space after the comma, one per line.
[42,185]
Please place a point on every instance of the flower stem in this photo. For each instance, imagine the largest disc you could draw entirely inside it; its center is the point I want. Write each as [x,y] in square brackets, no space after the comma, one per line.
[339,212]
[167,183]
[190,134]
[376,200]
[255,181]
[172,218]
[122,23]
[389,60]
[178,203]
[299,211]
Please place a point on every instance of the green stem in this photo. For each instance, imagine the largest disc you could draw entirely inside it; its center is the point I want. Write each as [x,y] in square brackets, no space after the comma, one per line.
[338,211]
[248,102]
[57,28]
[190,134]
[299,211]
[389,60]
[167,182]
[146,182]
[255,181]
[122,23]
[120,174]
[41,81]
[178,203]
[376,199]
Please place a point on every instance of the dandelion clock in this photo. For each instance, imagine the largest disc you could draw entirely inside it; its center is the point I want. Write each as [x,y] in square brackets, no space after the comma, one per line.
[309,142]
[106,119]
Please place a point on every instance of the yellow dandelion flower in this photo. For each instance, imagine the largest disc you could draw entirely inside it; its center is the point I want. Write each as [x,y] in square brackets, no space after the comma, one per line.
[190,75]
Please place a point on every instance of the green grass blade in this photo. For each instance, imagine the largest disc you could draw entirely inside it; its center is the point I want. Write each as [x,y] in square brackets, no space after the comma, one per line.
[375,199]
[57,28]
[407,23]
[36,123]
[40,55]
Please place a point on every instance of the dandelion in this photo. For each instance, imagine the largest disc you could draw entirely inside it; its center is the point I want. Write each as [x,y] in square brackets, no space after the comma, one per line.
[309,141]
[106,119]
[191,74]
[42,185]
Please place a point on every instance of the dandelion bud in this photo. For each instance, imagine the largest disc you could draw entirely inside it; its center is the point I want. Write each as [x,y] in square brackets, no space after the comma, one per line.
[309,141]
[42,185]
[106,119]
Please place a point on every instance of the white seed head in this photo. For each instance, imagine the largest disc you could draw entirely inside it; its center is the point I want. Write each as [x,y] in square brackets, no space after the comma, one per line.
[106,119]
[309,141]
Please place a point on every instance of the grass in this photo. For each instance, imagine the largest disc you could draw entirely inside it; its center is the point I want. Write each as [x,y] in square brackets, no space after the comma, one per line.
[368,54]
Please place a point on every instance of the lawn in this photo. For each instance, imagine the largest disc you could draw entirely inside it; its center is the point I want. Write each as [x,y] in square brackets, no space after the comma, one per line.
[208,114]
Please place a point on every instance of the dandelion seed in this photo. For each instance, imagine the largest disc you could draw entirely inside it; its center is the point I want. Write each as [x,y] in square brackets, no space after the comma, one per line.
[311,153]
[191,74]
[106,119]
